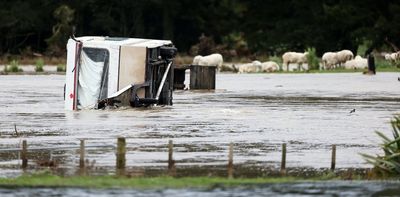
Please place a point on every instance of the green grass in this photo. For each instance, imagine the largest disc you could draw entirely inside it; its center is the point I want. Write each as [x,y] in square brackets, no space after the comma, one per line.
[39,65]
[380,68]
[12,67]
[342,70]
[46,179]
[60,68]
[39,180]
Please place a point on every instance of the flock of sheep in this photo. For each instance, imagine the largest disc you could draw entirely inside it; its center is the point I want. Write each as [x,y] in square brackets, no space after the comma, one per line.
[294,61]
[392,56]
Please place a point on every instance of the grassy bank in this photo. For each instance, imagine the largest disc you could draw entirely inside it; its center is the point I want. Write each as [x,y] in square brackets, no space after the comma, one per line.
[378,70]
[112,181]
[47,180]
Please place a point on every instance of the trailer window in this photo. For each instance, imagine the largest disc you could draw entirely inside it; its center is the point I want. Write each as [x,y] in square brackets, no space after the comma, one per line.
[93,77]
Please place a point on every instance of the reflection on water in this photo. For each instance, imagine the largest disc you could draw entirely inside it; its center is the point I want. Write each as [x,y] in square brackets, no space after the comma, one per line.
[338,188]
[257,112]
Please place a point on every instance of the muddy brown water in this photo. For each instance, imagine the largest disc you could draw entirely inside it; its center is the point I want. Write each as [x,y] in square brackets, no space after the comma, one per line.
[257,112]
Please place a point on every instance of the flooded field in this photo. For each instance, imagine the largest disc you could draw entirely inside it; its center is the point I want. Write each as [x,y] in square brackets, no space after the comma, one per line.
[330,188]
[257,112]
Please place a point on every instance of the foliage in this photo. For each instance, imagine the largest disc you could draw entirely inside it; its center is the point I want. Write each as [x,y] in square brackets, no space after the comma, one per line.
[138,182]
[382,63]
[234,45]
[254,27]
[12,67]
[313,60]
[205,46]
[362,48]
[62,30]
[61,68]
[389,163]
[39,63]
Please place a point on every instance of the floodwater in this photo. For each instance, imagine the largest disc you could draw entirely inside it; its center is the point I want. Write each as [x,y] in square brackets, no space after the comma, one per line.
[256,112]
[338,188]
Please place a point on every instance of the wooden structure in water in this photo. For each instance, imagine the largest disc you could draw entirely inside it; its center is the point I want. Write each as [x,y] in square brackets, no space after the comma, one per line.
[179,76]
[201,77]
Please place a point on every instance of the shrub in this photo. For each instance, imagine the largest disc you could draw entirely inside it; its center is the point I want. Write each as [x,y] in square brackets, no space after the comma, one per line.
[382,63]
[39,65]
[13,67]
[363,47]
[313,60]
[389,163]
[205,46]
[276,59]
[61,68]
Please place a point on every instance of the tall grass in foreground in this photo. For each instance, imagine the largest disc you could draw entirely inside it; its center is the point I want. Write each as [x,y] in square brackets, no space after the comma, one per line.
[61,68]
[12,67]
[312,59]
[39,63]
[389,163]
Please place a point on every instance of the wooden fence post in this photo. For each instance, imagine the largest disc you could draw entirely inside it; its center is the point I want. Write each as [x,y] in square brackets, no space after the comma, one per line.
[283,162]
[24,153]
[171,162]
[15,129]
[333,162]
[82,157]
[121,150]
[230,161]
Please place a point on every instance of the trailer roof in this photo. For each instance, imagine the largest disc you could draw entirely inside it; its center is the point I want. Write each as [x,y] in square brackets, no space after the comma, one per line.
[119,41]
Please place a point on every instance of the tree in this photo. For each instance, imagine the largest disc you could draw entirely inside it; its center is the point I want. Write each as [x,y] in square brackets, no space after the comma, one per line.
[61,31]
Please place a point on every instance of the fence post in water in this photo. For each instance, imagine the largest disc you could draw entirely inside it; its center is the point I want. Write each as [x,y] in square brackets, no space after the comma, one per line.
[230,161]
[283,162]
[333,162]
[121,150]
[171,162]
[24,153]
[82,157]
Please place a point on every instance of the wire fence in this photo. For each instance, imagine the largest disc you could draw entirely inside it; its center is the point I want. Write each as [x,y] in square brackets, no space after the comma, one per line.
[121,150]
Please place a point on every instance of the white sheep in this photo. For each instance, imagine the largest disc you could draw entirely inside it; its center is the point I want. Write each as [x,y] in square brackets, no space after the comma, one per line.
[329,60]
[256,63]
[294,57]
[269,66]
[332,60]
[252,67]
[357,63]
[392,56]
[196,60]
[344,56]
[209,60]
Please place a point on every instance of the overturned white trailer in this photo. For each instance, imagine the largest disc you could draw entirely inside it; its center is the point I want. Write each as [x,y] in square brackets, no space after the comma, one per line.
[103,71]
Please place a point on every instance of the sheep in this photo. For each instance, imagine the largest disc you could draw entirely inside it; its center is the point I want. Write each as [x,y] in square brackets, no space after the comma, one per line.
[294,57]
[209,60]
[344,56]
[256,63]
[388,56]
[329,60]
[253,67]
[357,63]
[269,66]
[196,60]
[393,56]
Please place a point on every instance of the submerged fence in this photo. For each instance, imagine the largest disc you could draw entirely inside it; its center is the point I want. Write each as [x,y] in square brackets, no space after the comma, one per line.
[121,151]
